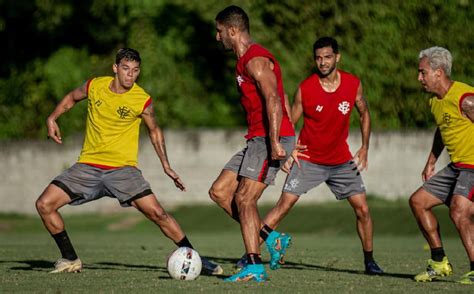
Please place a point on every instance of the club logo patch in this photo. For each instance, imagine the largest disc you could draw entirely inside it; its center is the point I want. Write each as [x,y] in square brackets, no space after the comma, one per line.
[344,107]
[447,118]
[291,185]
[123,112]
[240,80]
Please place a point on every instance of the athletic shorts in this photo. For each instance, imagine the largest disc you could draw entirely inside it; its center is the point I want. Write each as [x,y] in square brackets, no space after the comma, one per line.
[344,180]
[85,183]
[451,181]
[254,161]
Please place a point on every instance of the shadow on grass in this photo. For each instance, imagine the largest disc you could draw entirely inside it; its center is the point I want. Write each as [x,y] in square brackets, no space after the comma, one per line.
[41,265]
[305,266]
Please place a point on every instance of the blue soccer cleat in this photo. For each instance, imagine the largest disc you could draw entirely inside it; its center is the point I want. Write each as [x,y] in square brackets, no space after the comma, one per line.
[277,243]
[251,272]
[372,268]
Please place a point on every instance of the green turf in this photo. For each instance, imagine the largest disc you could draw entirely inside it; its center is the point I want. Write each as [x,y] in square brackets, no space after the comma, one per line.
[124,253]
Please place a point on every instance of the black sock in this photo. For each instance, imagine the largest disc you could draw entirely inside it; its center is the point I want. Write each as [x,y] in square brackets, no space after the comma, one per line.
[184,243]
[254,258]
[437,254]
[472,265]
[265,231]
[368,256]
[65,246]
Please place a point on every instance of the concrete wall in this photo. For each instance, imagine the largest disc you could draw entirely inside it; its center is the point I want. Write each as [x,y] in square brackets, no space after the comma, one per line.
[395,164]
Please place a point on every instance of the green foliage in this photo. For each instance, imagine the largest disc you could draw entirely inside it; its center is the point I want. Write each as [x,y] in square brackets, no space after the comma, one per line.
[191,78]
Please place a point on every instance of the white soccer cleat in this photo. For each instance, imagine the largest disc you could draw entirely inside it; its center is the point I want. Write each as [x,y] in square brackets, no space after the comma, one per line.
[63,265]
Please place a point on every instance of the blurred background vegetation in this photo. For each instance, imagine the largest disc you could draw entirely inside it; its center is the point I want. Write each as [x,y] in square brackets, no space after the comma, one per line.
[50,47]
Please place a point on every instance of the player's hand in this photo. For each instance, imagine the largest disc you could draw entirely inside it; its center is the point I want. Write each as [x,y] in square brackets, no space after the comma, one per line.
[428,172]
[174,176]
[278,153]
[53,131]
[294,157]
[298,152]
[287,165]
[361,159]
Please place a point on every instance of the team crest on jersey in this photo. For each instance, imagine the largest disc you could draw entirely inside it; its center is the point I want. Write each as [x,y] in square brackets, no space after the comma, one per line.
[447,118]
[123,112]
[344,107]
[319,108]
[240,80]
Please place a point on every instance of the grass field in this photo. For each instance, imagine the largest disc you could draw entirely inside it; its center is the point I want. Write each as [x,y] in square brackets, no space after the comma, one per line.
[125,253]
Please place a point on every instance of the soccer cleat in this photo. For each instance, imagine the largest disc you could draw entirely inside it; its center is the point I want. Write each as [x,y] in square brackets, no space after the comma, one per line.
[277,243]
[435,270]
[210,268]
[63,265]
[251,272]
[372,268]
[242,262]
[467,279]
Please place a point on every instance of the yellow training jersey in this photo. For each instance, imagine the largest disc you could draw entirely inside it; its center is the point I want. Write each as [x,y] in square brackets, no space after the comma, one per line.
[113,124]
[456,130]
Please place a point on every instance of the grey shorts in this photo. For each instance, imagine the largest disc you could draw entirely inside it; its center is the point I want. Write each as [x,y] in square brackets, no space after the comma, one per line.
[254,161]
[84,183]
[451,181]
[344,180]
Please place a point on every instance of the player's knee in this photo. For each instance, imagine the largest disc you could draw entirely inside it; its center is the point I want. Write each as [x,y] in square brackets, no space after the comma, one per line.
[217,195]
[243,199]
[159,216]
[415,202]
[362,212]
[457,214]
[43,206]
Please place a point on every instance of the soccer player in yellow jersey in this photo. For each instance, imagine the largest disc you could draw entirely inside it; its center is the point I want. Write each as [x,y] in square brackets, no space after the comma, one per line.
[107,165]
[453,109]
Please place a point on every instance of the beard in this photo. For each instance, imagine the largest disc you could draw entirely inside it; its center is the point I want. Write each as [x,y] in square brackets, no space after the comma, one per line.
[328,72]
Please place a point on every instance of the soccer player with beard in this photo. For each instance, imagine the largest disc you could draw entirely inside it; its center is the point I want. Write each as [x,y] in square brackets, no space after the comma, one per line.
[326,100]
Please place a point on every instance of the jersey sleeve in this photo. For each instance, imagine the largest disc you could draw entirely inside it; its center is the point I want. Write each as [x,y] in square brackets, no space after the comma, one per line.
[147,103]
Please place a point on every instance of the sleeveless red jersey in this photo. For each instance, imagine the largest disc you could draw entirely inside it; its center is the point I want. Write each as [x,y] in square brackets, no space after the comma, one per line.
[253,101]
[327,118]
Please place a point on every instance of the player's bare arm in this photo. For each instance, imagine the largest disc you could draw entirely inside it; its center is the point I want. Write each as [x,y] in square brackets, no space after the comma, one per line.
[158,140]
[467,107]
[435,152]
[261,69]
[361,105]
[296,112]
[63,106]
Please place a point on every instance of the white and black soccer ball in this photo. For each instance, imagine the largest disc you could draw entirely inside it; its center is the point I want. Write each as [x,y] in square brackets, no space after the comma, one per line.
[184,264]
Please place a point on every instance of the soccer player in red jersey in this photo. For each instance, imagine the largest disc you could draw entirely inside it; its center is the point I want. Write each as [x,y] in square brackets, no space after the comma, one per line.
[270,139]
[326,100]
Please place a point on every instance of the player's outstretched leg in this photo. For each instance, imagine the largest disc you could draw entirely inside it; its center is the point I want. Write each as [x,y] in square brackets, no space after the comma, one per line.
[151,208]
[47,206]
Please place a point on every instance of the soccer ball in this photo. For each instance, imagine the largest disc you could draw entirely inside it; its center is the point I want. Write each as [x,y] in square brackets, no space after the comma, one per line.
[184,264]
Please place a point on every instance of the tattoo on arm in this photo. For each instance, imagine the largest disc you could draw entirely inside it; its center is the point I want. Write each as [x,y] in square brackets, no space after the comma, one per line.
[467,107]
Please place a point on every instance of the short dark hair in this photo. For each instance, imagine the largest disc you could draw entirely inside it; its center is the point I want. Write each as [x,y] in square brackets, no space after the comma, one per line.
[234,16]
[127,54]
[325,42]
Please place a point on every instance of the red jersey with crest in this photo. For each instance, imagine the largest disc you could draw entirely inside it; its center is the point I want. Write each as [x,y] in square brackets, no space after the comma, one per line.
[253,101]
[326,119]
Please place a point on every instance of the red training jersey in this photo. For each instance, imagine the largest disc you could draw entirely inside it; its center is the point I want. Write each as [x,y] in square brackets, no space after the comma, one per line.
[327,118]
[253,101]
